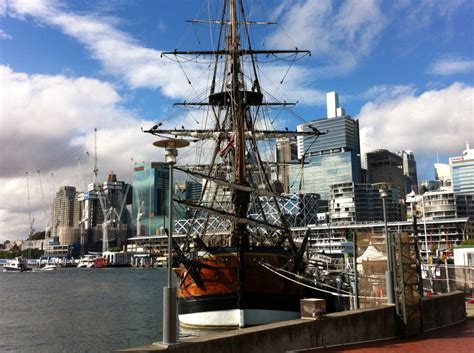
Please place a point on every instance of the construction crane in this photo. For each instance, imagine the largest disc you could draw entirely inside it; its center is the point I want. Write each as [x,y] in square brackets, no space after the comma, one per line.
[110,213]
[47,219]
[31,218]
[140,205]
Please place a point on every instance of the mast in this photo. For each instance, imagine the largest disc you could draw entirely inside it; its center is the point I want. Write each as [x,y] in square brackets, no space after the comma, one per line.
[241,198]
[235,132]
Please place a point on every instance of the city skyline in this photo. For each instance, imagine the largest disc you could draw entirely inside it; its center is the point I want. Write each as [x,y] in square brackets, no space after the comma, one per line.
[403,70]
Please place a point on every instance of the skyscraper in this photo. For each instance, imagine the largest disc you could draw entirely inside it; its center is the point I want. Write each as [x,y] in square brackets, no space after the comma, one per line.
[286,150]
[443,173]
[186,190]
[65,215]
[150,189]
[385,167]
[462,171]
[409,170]
[331,158]
[109,197]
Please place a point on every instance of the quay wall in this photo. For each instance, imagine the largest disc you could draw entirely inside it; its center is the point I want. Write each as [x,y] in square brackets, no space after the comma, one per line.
[443,310]
[336,329]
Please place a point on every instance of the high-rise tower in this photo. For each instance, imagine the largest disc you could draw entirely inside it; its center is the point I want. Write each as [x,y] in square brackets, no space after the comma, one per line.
[462,171]
[331,158]
[150,189]
[409,170]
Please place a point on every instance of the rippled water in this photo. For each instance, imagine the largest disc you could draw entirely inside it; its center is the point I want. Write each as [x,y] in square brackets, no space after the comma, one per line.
[80,310]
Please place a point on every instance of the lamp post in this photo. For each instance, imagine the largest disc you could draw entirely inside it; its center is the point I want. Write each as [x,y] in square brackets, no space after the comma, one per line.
[169,292]
[388,241]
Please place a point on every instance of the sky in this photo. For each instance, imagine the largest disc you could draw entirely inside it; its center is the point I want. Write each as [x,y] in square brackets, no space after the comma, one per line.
[404,69]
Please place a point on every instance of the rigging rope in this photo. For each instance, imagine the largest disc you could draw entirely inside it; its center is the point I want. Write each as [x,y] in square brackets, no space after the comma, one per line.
[269,267]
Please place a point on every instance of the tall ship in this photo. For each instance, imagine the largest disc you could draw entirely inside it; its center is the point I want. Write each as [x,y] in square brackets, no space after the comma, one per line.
[229,277]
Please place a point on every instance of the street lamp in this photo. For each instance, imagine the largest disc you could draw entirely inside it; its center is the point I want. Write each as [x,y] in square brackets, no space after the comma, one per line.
[388,241]
[169,293]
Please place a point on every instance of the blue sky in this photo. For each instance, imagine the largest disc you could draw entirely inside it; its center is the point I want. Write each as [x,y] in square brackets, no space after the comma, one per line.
[405,69]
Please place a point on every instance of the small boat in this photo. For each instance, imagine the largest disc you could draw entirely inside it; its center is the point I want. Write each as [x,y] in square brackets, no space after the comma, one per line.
[18,264]
[87,261]
[50,267]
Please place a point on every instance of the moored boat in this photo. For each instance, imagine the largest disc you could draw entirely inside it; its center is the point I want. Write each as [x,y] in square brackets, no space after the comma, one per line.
[100,262]
[87,260]
[49,267]
[18,264]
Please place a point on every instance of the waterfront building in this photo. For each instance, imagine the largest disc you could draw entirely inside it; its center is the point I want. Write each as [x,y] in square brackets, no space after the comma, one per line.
[409,171]
[111,198]
[462,171]
[465,205]
[443,174]
[286,150]
[447,204]
[441,234]
[357,203]
[65,215]
[186,190]
[330,158]
[150,185]
[438,204]
[428,185]
[384,166]
[33,244]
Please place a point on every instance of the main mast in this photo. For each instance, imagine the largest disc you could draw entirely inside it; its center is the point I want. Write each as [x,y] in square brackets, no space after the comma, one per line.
[241,198]
[235,133]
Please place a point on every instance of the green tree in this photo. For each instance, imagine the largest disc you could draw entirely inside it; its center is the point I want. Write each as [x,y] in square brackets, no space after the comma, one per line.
[467,242]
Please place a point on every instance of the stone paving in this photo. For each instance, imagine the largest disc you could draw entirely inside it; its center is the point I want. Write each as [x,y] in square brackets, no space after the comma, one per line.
[456,338]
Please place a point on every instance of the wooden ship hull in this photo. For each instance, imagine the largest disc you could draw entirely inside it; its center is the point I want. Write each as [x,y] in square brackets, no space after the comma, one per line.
[225,296]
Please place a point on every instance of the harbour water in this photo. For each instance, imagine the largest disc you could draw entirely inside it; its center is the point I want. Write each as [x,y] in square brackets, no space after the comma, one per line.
[81,310]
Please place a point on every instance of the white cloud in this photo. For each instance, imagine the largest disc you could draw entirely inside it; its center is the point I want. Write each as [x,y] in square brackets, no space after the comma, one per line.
[420,14]
[435,121]
[380,93]
[48,121]
[451,66]
[338,36]
[4,35]
[119,53]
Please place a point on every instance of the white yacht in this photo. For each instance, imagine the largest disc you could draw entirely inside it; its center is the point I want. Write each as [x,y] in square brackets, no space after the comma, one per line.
[88,260]
[49,267]
[17,264]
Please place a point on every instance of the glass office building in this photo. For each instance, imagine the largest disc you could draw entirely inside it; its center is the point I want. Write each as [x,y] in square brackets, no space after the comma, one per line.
[462,171]
[150,193]
[325,170]
[330,159]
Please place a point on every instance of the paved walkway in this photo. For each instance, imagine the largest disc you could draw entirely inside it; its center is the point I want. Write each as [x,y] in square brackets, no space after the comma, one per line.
[456,338]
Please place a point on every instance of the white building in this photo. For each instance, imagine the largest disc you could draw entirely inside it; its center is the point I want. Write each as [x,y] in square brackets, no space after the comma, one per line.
[443,173]
[462,171]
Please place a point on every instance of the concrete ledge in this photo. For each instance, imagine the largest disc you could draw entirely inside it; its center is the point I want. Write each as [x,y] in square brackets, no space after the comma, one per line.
[335,329]
[443,310]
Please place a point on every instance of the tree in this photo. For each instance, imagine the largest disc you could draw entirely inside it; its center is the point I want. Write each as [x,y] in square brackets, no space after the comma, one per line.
[467,242]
